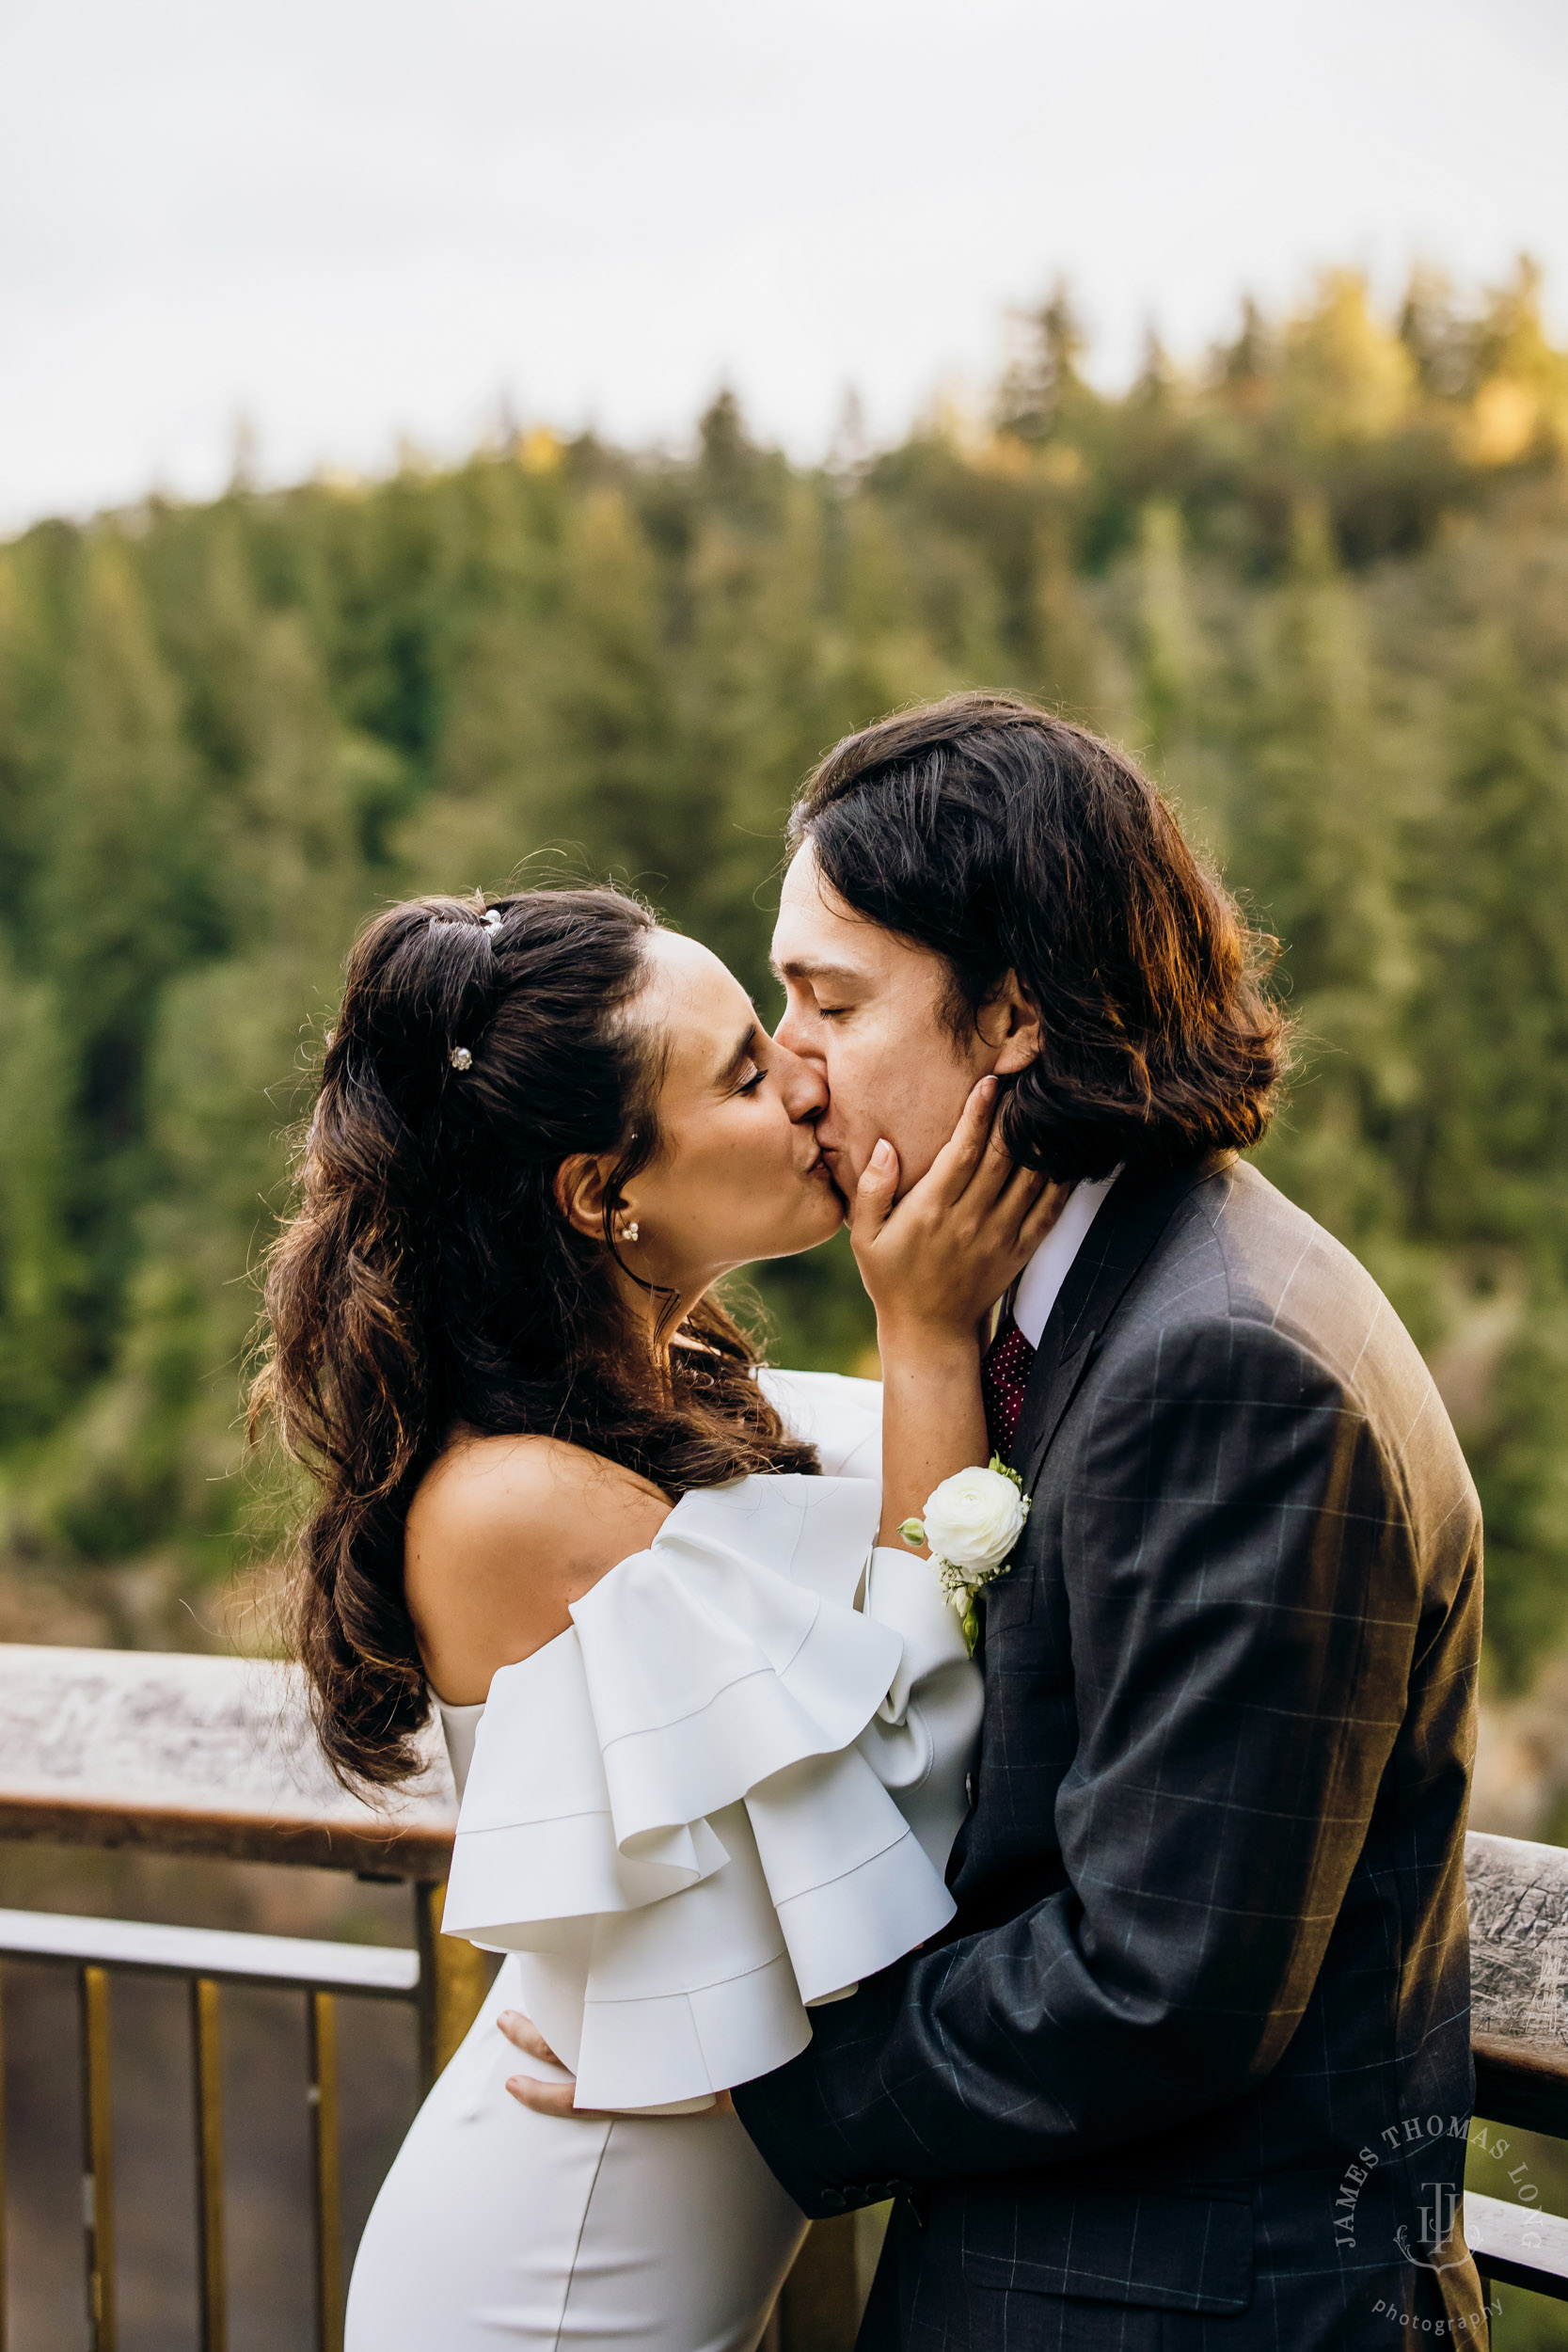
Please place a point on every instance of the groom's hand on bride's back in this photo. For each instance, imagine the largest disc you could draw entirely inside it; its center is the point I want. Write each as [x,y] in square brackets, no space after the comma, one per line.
[556,2098]
[529,2090]
[940,1259]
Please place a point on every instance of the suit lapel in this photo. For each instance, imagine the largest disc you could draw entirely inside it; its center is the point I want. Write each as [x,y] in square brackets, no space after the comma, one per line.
[1117,1243]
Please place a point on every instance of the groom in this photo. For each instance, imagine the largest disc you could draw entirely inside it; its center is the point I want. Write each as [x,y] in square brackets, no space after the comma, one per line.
[1191,2067]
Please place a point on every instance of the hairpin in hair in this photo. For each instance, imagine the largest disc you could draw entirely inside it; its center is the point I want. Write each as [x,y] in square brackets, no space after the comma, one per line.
[460,1057]
[493,920]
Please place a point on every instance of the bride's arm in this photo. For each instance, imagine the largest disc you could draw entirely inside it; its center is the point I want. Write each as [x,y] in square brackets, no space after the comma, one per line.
[933,1266]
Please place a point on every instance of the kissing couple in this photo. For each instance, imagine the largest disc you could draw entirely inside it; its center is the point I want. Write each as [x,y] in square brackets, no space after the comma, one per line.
[1030,1792]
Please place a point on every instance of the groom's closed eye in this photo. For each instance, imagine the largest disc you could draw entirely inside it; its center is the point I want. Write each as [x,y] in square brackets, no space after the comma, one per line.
[830,1005]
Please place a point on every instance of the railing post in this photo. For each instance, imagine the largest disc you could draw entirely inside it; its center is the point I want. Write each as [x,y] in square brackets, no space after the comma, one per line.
[322,2095]
[207,2084]
[818,2305]
[453,1981]
[97,2173]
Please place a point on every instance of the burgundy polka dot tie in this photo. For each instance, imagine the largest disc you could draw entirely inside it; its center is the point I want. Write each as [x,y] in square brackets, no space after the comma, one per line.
[1004,1378]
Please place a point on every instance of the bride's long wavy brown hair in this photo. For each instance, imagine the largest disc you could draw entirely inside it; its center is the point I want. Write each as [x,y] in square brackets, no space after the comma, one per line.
[427,1281]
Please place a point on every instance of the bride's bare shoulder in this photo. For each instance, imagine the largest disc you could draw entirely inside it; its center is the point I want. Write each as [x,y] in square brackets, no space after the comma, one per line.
[512,1483]
[502,1535]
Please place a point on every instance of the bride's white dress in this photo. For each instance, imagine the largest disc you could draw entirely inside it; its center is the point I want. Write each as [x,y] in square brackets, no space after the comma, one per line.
[726,1794]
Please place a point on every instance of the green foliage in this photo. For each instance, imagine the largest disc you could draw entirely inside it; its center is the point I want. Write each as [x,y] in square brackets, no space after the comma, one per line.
[1321,585]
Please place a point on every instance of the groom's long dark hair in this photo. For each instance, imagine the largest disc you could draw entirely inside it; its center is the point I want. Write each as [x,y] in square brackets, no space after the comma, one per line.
[1006,839]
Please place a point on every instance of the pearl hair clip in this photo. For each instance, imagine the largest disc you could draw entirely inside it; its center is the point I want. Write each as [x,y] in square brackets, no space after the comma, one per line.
[460,1057]
[493,920]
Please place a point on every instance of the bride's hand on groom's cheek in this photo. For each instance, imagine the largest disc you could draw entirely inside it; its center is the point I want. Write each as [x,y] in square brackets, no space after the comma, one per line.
[934,1262]
[555,2098]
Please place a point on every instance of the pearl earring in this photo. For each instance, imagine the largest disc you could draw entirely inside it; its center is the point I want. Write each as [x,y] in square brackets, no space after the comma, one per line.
[632,1232]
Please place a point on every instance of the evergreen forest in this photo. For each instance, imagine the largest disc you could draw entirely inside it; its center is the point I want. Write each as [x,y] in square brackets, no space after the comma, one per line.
[1319,585]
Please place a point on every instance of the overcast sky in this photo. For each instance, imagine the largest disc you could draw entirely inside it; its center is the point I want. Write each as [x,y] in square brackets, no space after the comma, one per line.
[349,220]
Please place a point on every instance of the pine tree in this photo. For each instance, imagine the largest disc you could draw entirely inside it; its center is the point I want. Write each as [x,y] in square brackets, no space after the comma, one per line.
[1314,829]
[1322,588]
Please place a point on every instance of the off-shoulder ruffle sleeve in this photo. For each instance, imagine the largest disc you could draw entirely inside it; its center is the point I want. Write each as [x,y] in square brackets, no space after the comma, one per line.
[678,1809]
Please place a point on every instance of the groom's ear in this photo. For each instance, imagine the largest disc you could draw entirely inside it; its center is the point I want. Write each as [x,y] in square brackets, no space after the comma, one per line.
[1010,1026]
[579,1192]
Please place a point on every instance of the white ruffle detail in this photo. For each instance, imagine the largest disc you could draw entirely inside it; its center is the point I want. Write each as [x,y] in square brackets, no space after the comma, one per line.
[732,1648]
[676,1811]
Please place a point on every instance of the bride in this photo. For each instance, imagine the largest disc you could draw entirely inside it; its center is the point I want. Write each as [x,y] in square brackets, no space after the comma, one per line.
[710,1718]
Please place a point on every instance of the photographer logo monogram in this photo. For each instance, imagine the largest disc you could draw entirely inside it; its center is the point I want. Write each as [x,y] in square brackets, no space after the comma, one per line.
[1435,2243]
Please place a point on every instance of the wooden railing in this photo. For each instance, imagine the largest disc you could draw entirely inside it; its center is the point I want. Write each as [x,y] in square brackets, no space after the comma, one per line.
[1519,2032]
[215,1757]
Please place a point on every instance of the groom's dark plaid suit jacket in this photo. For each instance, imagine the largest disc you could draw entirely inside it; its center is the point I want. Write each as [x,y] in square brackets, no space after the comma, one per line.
[1190,2068]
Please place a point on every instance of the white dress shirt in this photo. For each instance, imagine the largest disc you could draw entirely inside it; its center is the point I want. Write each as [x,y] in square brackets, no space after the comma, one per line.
[1039,1284]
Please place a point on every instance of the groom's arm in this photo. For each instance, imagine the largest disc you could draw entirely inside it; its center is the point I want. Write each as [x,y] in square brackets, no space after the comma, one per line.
[1243,1607]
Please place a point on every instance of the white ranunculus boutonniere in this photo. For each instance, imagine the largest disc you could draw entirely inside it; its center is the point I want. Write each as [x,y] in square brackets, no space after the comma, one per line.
[971,1523]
